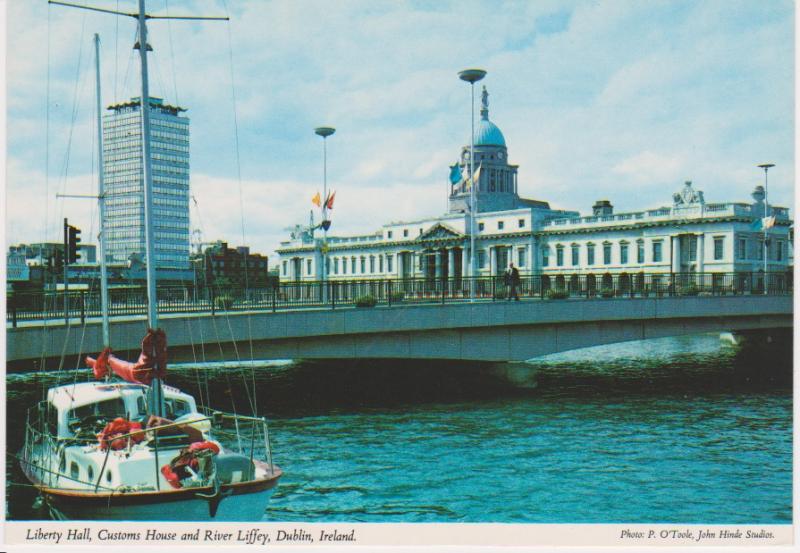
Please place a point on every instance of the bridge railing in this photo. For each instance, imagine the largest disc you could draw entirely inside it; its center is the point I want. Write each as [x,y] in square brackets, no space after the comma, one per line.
[131,301]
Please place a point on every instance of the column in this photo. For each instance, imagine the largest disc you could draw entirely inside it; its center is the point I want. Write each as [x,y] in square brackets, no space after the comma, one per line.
[438,263]
[492,260]
[675,251]
[700,252]
[451,263]
[464,261]
[400,260]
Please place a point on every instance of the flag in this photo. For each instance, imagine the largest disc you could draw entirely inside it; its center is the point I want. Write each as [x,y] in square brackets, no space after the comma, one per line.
[763,224]
[329,200]
[316,201]
[455,174]
[476,177]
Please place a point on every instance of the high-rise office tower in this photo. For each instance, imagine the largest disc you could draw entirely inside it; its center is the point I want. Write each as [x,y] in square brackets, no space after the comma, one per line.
[124,178]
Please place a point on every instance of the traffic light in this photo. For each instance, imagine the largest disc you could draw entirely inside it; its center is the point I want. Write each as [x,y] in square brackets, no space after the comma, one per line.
[73,242]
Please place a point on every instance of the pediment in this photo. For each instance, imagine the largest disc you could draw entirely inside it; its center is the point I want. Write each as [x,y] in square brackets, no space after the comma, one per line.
[439,231]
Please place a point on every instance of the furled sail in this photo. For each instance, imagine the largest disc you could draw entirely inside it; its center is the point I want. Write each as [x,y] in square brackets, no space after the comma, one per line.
[152,362]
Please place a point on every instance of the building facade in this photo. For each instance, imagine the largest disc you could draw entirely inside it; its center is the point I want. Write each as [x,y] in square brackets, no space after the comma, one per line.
[124,178]
[221,266]
[686,235]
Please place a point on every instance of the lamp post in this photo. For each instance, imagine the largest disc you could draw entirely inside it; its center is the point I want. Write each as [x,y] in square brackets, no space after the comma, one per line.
[472,76]
[324,132]
[766,167]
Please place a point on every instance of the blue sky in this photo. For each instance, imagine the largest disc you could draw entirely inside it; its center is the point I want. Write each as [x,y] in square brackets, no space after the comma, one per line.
[621,100]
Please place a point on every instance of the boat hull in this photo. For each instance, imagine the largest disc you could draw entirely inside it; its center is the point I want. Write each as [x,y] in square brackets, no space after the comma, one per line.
[242,502]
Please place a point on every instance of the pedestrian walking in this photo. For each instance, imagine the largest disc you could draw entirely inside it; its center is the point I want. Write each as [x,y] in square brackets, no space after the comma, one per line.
[512,282]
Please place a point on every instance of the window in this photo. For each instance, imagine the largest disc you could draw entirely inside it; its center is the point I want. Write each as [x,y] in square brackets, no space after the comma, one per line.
[481,259]
[308,266]
[576,254]
[590,254]
[336,265]
[363,265]
[545,256]
[284,268]
[760,254]
[623,252]
[521,223]
[353,265]
[719,247]
[420,232]
[560,255]
[606,254]
[500,225]
[742,248]
[389,259]
[480,227]
[640,251]
[388,234]
[521,257]
[693,248]
[372,264]
[779,251]
[380,263]
[657,251]
[405,233]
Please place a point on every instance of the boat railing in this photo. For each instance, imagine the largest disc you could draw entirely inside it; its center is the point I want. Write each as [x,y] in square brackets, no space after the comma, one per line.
[249,434]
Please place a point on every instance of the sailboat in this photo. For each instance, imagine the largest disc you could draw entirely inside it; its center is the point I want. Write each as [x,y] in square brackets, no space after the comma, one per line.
[127,446]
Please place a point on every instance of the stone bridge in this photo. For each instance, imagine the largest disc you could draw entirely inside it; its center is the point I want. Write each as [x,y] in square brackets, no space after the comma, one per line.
[481,331]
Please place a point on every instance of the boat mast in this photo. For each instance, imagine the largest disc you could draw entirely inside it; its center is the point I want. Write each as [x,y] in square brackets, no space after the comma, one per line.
[156,400]
[101,200]
[150,258]
[156,395]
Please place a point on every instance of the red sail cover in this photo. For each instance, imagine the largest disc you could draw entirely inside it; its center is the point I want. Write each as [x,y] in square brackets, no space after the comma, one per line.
[144,370]
[110,436]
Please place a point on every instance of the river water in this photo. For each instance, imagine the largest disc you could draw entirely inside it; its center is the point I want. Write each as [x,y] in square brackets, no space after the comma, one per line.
[679,430]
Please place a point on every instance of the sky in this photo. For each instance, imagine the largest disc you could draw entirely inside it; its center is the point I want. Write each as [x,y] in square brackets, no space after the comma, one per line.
[618,100]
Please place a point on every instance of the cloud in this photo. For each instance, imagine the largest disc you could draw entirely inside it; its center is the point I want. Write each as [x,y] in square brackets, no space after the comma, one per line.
[595,99]
[648,166]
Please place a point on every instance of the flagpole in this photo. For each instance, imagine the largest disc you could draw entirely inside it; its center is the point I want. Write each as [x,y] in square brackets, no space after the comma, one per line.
[472,76]
[324,132]
[764,223]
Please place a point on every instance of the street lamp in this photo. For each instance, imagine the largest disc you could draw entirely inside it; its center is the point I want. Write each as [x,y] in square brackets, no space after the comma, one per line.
[324,132]
[766,167]
[472,76]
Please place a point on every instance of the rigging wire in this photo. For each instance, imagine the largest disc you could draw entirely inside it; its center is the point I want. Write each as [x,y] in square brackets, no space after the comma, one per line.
[116,53]
[241,198]
[172,56]
[77,94]
[130,62]
[46,184]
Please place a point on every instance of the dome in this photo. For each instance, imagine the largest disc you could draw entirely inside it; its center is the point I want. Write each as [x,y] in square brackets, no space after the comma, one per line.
[488,134]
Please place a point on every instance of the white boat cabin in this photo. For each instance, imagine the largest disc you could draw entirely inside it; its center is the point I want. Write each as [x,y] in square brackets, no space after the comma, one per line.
[72,403]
